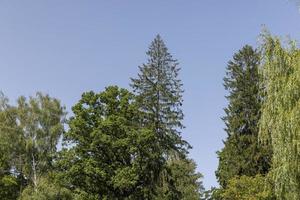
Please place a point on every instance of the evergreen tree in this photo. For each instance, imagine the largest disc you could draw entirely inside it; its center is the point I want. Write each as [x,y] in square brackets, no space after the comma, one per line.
[280,122]
[185,181]
[159,91]
[242,154]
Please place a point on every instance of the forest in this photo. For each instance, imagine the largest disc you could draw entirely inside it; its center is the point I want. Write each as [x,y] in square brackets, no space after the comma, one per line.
[122,144]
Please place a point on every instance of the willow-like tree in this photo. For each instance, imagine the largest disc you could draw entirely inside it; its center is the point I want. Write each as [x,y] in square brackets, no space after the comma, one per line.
[242,154]
[159,91]
[280,121]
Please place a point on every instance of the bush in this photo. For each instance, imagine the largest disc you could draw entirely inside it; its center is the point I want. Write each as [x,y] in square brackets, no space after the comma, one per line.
[248,188]
[46,189]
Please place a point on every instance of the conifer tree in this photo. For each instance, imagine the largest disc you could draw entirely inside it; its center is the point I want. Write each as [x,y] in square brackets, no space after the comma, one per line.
[242,154]
[159,91]
[185,181]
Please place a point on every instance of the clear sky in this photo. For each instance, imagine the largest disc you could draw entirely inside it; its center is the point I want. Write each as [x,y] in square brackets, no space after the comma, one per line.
[67,47]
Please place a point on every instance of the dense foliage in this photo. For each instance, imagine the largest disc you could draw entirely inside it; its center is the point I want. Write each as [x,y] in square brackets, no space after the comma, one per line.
[159,92]
[185,182]
[112,156]
[122,145]
[275,127]
[29,135]
[242,154]
[47,189]
[159,95]
[280,122]
[9,181]
[248,188]
[118,145]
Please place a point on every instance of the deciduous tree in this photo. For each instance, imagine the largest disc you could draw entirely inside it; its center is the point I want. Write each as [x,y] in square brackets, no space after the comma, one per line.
[280,121]
[112,155]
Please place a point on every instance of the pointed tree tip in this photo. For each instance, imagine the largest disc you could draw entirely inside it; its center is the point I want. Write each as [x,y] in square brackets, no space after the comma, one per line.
[158,37]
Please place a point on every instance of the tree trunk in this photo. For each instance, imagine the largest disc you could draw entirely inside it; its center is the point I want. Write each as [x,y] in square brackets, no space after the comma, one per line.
[34,172]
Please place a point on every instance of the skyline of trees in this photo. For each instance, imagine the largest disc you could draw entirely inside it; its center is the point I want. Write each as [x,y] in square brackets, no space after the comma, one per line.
[128,145]
[118,144]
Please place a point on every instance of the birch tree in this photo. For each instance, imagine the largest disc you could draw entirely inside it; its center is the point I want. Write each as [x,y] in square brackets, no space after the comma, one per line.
[40,121]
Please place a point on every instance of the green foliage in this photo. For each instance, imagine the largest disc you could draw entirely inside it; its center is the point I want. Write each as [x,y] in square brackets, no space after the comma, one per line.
[9,187]
[9,183]
[47,189]
[81,195]
[242,154]
[159,92]
[248,188]
[40,125]
[112,155]
[182,181]
[280,122]
[185,178]
[118,146]
[213,194]
[159,96]
[29,133]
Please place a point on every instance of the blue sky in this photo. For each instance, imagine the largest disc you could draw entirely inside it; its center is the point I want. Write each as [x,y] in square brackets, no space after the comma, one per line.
[67,47]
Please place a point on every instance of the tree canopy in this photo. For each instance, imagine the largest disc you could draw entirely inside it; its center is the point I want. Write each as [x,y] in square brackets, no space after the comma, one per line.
[159,92]
[279,125]
[113,156]
[119,144]
[242,154]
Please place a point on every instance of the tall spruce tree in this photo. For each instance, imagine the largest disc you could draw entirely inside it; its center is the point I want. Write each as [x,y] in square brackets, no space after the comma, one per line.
[159,91]
[242,154]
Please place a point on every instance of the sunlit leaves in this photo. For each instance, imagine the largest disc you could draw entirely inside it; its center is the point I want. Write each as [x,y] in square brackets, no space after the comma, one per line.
[280,124]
